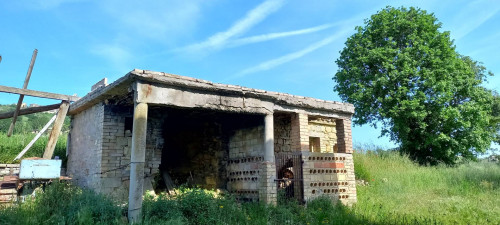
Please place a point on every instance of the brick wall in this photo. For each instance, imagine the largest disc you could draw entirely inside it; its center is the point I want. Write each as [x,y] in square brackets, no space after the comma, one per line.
[246,153]
[300,132]
[8,169]
[344,135]
[267,186]
[9,175]
[330,174]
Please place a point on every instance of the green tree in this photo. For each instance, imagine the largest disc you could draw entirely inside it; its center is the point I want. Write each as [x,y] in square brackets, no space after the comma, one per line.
[496,115]
[401,71]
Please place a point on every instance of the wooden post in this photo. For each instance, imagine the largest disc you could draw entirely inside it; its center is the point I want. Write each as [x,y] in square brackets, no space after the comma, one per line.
[56,130]
[35,138]
[21,97]
[137,161]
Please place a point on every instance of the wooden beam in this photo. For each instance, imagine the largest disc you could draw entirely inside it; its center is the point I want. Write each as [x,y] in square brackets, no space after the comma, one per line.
[21,97]
[30,110]
[40,94]
[35,138]
[56,130]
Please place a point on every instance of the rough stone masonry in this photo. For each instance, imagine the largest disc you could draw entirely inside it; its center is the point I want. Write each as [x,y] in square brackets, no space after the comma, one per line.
[151,130]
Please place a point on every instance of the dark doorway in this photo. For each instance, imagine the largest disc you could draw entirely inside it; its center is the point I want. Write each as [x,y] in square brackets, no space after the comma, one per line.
[196,149]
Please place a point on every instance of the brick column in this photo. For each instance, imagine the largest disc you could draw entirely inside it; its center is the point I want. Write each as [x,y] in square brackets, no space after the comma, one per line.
[268,192]
[344,135]
[300,132]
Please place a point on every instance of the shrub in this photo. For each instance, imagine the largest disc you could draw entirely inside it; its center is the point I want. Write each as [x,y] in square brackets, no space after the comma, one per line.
[162,210]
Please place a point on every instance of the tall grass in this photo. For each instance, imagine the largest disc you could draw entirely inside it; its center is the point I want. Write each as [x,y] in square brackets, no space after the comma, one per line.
[11,146]
[399,192]
[62,203]
[196,206]
[466,194]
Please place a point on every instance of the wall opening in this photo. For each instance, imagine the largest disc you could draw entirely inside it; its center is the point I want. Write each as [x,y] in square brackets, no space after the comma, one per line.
[129,123]
[314,144]
[197,146]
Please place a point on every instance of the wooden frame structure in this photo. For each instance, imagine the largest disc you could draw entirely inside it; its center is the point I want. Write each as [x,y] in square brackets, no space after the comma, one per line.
[59,118]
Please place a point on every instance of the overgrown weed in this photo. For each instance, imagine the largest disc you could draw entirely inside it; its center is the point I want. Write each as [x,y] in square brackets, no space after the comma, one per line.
[63,203]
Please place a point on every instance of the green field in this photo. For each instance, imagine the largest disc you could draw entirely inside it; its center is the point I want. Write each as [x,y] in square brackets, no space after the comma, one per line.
[24,132]
[466,194]
[398,192]
[11,146]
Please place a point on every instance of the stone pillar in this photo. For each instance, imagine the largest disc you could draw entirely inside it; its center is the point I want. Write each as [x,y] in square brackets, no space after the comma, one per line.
[269,138]
[268,189]
[344,135]
[137,161]
[300,132]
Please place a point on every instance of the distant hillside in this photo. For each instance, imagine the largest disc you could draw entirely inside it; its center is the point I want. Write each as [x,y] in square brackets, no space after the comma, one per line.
[27,123]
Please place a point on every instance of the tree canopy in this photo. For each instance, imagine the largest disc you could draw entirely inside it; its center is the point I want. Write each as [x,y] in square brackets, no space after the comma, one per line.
[399,70]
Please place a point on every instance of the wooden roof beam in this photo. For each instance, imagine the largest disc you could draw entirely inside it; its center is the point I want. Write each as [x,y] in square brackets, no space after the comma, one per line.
[29,110]
[40,94]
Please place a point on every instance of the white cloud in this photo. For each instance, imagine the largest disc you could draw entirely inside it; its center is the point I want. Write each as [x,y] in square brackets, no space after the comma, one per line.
[267,65]
[252,18]
[472,16]
[271,36]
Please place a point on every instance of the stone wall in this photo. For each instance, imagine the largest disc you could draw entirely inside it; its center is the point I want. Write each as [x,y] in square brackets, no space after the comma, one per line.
[324,129]
[282,133]
[99,147]
[330,174]
[85,147]
[196,148]
[116,147]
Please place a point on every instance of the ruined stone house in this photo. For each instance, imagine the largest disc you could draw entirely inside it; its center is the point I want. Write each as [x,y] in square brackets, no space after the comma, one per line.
[252,143]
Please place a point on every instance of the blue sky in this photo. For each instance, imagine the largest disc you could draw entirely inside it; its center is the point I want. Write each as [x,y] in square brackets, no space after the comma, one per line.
[284,46]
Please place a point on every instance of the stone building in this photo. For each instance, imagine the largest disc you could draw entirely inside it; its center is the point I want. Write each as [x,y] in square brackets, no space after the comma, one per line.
[253,143]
